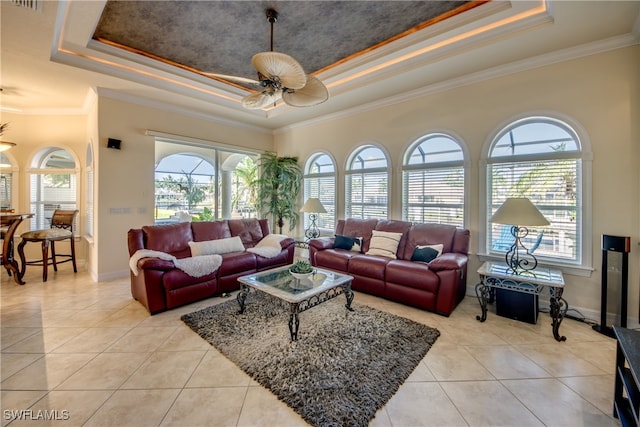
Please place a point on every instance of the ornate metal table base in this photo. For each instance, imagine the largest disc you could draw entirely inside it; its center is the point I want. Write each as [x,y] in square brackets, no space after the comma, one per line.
[558,305]
[299,307]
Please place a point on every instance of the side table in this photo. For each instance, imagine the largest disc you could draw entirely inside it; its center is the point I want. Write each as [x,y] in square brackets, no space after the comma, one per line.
[498,275]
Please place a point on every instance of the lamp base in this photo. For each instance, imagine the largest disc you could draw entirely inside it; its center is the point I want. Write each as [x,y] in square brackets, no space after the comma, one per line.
[518,257]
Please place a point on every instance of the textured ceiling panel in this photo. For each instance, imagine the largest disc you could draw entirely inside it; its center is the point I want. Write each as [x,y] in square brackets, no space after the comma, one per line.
[222,36]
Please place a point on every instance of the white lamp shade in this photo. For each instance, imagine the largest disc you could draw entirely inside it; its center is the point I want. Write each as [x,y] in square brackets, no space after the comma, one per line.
[5,145]
[519,211]
[313,205]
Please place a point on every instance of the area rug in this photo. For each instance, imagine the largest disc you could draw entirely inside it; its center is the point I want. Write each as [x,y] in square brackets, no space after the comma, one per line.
[344,366]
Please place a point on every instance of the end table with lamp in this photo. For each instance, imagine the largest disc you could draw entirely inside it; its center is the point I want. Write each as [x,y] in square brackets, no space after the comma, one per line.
[519,273]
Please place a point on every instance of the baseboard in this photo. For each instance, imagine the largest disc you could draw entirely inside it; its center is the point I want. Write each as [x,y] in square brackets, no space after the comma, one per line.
[112,275]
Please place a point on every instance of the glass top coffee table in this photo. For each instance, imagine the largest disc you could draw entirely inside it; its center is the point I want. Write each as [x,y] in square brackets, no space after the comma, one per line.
[301,294]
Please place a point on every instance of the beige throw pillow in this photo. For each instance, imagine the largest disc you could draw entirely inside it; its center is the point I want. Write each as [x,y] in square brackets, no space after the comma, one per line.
[384,243]
[218,246]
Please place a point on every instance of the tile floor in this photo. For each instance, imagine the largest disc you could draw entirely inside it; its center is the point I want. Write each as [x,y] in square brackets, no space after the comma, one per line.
[91,356]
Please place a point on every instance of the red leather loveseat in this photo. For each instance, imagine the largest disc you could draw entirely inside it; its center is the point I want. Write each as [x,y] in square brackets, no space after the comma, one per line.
[437,286]
[160,286]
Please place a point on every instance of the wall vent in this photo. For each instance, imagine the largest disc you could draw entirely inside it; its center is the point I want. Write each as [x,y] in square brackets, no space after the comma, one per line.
[29,4]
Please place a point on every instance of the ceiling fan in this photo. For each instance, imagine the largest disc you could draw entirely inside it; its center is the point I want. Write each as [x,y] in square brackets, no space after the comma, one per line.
[279,77]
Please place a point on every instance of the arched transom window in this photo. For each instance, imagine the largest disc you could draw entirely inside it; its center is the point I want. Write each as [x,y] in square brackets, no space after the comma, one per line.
[367,184]
[433,179]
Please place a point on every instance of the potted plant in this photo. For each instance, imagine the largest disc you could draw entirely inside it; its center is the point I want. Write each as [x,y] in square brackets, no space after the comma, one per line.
[278,188]
[301,269]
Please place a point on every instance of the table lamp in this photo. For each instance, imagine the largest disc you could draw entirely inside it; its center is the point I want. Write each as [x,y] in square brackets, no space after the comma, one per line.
[313,207]
[519,212]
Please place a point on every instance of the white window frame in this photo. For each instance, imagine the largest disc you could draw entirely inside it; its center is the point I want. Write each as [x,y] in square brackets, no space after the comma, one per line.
[37,169]
[349,173]
[584,267]
[11,170]
[463,164]
[89,195]
[326,221]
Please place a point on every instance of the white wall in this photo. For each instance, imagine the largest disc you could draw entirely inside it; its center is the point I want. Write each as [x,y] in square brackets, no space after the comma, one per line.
[125,197]
[599,92]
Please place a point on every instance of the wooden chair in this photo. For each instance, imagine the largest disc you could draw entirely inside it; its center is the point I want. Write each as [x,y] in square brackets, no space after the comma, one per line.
[61,229]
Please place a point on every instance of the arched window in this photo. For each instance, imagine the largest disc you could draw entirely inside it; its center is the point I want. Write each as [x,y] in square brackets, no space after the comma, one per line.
[320,181]
[539,158]
[433,178]
[367,184]
[7,181]
[53,182]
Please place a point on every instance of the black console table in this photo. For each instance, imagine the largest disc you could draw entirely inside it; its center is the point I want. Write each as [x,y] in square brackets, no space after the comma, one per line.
[626,397]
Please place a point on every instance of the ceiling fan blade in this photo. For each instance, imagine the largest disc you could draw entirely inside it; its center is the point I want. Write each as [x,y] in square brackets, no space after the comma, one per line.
[237,79]
[281,66]
[313,93]
[257,101]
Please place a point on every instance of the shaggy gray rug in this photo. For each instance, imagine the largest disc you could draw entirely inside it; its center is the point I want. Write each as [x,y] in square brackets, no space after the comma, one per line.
[344,366]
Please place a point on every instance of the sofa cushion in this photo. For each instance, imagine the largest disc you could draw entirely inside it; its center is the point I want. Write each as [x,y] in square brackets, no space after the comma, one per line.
[219,246]
[348,243]
[334,259]
[237,262]
[384,243]
[210,230]
[426,253]
[356,227]
[249,230]
[429,234]
[395,226]
[413,274]
[171,238]
[368,266]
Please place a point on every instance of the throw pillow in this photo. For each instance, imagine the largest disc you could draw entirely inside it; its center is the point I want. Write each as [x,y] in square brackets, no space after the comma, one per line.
[219,246]
[348,243]
[427,253]
[384,243]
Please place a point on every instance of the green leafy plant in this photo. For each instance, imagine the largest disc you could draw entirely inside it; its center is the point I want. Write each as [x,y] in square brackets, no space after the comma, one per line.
[207,214]
[278,188]
[301,267]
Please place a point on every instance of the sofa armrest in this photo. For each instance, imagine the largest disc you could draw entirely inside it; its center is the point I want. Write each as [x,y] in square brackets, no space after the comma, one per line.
[448,261]
[285,243]
[322,243]
[155,264]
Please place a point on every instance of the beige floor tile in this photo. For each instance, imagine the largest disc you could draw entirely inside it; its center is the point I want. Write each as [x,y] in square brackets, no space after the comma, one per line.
[10,363]
[555,404]
[451,362]
[597,390]
[215,370]
[422,404]
[507,362]
[488,403]
[107,371]
[262,408]
[555,359]
[142,340]
[14,403]
[86,317]
[65,408]
[136,408]
[421,373]
[167,369]
[601,354]
[10,336]
[189,407]
[92,340]
[45,341]
[47,372]
[183,338]
[381,419]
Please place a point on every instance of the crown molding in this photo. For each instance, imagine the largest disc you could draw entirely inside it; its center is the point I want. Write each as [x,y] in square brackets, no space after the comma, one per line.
[555,57]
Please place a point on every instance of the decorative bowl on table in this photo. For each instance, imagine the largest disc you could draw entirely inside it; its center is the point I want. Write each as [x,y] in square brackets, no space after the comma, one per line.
[301,270]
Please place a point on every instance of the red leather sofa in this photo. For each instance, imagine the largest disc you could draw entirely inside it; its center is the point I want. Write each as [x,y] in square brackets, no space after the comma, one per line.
[160,286]
[436,286]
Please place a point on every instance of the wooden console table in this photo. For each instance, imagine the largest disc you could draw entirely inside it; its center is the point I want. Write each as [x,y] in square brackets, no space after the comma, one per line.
[498,275]
[11,221]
